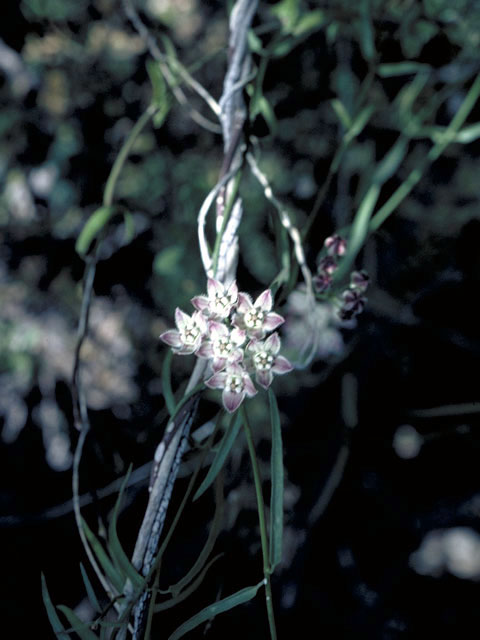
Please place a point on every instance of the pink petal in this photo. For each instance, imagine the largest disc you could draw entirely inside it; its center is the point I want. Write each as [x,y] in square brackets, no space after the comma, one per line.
[200,321]
[205,350]
[236,356]
[217,381]
[218,364]
[181,318]
[272,344]
[238,336]
[272,321]
[235,369]
[232,292]
[244,303]
[185,350]
[281,365]
[200,303]
[217,329]
[172,338]
[249,386]
[264,378]
[232,400]
[214,287]
[264,300]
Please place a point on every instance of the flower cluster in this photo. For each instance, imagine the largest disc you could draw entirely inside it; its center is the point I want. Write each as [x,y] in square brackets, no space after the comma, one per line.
[352,300]
[231,330]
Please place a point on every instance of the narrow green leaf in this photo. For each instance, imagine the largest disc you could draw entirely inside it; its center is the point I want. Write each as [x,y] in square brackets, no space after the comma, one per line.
[118,554]
[167,383]
[90,590]
[359,123]
[223,451]
[92,228]
[341,113]
[406,68]
[309,22]
[81,628]
[277,476]
[366,32]
[159,88]
[177,599]
[242,596]
[254,42]
[391,161]
[211,539]
[110,571]
[287,12]
[468,134]
[57,626]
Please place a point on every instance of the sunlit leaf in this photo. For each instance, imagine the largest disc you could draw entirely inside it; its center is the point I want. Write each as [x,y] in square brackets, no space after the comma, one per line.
[242,596]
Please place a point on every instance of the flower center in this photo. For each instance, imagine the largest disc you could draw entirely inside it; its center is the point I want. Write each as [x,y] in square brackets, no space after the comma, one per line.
[263,360]
[221,304]
[234,384]
[190,334]
[254,319]
[223,347]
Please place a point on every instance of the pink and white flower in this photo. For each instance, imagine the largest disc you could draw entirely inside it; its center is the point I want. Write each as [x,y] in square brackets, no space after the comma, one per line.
[189,334]
[266,361]
[219,301]
[256,318]
[236,384]
[222,345]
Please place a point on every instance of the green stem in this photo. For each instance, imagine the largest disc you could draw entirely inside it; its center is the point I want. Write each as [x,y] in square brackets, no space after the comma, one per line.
[124,153]
[263,526]
[415,175]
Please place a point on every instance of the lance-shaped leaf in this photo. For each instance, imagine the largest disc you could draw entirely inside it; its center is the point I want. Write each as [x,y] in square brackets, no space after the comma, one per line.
[111,572]
[119,556]
[277,476]
[240,597]
[90,590]
[223,450]
[57,626]
[81,628]
[92,228]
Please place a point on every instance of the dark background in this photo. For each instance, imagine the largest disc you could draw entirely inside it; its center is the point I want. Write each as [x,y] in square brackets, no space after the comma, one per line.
[388,415]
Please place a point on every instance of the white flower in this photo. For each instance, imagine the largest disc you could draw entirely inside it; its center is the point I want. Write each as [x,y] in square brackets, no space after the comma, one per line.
[256,318]
[188,336]
[236,384]
[266,360]
[219,301]
[222,345]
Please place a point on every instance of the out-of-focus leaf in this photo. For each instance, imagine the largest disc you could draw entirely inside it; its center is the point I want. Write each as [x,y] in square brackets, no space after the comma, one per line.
[255,43]
[406,68]
[80,628]
[366,31]
[391,161]
[90,590]
[310,21]
[223,450]
[129,227]
[167,261]
[57,626]
[92,228]
[287,12]
[359,123]
[242,596]
[277,477]
[341,113]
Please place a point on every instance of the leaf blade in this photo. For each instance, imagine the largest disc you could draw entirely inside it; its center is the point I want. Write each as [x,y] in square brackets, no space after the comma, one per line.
[277,478]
